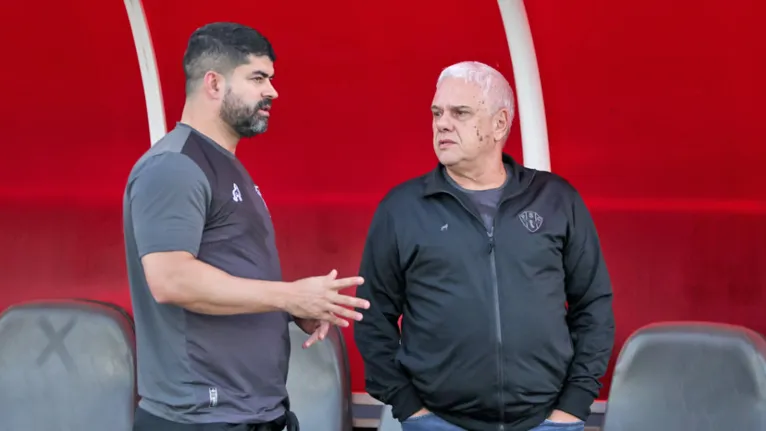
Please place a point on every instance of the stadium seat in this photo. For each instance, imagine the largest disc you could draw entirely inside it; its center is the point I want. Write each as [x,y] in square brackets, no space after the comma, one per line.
[66,365]
[387,420]
[319,382]
[689,376]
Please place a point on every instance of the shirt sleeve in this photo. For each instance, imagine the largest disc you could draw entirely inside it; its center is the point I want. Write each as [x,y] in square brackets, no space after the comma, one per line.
[169,196]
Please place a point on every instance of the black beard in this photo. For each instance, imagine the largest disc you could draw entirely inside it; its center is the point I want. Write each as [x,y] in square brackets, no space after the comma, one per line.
[244,120]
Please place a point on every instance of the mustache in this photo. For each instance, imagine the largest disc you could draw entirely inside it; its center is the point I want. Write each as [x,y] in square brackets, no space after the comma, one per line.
[263,104]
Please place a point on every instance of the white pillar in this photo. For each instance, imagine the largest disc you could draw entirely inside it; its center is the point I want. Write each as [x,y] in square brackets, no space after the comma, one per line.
[529,94]
[155,108]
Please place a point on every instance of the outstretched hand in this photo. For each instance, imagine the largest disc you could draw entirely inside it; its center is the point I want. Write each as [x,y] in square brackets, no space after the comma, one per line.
[318,298]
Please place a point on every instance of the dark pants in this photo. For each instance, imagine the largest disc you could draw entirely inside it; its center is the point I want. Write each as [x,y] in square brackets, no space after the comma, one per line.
[145,421]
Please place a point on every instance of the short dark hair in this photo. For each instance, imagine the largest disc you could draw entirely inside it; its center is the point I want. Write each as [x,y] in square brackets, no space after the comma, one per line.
[222,46]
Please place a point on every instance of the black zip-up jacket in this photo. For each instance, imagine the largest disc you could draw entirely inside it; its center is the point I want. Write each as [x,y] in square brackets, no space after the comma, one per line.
[497,330]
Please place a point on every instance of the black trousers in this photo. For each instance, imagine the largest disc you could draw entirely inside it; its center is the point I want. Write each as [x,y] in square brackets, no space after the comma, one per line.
[145,421]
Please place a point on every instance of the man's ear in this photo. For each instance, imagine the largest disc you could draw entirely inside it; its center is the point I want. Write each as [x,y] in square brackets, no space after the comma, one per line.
[501,125]
[213,85]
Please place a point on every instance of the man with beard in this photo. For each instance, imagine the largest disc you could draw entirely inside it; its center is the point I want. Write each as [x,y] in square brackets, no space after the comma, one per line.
[210,307]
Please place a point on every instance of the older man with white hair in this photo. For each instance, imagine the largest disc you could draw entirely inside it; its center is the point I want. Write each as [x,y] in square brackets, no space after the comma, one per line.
[498,275]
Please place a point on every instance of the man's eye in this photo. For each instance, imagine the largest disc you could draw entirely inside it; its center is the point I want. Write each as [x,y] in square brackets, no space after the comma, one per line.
[437,114]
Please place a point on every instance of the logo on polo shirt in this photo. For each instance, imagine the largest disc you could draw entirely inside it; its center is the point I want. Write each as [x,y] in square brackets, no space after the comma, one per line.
[213,392]
[236,195]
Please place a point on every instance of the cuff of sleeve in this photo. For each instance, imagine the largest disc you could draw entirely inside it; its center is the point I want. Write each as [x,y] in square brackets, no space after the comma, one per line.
[405,403]
[575,401]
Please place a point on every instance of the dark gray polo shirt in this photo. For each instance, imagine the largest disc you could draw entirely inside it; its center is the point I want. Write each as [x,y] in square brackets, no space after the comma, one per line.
[189,194]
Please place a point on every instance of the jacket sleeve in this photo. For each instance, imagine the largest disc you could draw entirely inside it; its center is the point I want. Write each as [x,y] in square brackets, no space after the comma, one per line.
[590,315]
[377,335]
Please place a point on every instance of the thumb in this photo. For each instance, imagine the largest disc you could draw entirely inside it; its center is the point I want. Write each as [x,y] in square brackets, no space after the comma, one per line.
[332,274]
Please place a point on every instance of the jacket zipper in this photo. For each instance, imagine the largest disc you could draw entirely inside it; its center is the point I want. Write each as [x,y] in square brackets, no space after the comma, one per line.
[496,292]
[496,288]
[498,326]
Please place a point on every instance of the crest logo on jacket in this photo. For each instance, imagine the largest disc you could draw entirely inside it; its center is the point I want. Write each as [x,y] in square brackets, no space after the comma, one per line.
[531,220]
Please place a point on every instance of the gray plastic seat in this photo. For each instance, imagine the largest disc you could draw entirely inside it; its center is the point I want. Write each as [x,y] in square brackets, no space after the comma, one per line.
[319,382]
[689,376]
[387,420]
[66,365]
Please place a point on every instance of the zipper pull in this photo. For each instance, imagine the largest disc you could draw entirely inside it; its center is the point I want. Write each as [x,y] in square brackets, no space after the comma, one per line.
[491,244]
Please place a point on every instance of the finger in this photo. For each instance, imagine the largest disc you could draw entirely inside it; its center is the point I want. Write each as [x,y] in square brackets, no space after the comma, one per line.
[332,274]
[345,312]
[335,320]
[324,329]
[351,301]
[312,339]
[343,283]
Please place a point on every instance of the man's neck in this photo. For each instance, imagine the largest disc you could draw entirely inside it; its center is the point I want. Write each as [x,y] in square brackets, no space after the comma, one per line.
[213,128]
[483,178]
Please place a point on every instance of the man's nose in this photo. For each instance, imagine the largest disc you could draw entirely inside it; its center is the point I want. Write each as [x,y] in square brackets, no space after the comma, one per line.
[270,92]
[443,124]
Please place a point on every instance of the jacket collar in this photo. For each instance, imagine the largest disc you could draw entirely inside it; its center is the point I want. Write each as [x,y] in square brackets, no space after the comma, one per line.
[520,179]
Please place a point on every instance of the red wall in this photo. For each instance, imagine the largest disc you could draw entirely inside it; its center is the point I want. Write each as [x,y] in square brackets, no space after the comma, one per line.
[654,112]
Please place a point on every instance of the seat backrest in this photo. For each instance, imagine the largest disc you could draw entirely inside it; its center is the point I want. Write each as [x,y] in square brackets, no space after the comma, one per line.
[689,376]
[387,420]
[319,382]
[66,365]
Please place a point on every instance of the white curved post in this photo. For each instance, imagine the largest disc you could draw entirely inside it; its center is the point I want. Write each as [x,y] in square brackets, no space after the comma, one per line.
[155,108]
[529,94]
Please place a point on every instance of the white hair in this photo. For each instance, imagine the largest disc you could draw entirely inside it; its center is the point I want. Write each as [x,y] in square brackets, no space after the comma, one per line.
[496,89]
